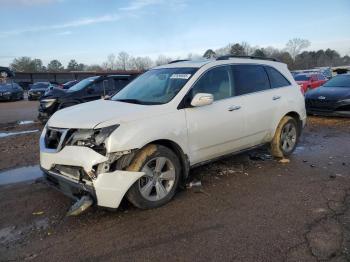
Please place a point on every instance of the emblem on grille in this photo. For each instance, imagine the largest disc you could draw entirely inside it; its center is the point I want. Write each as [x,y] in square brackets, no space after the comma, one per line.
[322,97]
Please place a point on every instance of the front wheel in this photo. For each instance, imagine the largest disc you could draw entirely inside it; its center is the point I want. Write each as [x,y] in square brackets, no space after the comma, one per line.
[286,137]
[162,174]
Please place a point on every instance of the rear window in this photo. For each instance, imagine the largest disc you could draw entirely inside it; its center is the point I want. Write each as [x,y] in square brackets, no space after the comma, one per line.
[302,78]
[276,78]
[249,79]
[40,85]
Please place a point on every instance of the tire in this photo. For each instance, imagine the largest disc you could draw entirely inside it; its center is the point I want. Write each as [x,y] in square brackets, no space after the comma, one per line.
[157,187]
[286,137]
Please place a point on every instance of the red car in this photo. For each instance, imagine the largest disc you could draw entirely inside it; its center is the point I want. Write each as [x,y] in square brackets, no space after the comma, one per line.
[310,81]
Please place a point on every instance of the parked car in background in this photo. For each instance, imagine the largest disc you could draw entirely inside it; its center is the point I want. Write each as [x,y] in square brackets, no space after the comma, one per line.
[310,81]
[331,99]
[65,86]
[10,91]
[326,71]
[38,89]
[143,141]
[88,89]
[69,84]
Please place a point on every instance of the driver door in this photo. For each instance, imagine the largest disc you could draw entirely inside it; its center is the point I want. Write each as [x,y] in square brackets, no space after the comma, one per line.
[215,129]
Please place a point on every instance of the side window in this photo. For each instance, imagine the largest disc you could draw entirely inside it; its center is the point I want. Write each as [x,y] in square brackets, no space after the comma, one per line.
[98,87]
[249,79]
[276,78]
[120,83]
[217,82]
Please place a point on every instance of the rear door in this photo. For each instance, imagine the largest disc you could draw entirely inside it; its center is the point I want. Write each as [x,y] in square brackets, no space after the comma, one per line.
[258,101]
[215,129]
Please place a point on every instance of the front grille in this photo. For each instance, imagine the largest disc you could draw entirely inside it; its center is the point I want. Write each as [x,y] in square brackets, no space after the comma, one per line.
[55,138]
[73,172]
[320,104]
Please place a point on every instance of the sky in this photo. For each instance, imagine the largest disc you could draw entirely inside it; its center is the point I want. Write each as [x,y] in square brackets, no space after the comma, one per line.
[90,30]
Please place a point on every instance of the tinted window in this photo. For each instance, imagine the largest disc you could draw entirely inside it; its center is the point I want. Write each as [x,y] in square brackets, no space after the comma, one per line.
[39,85]
[276,78]
[249,79]
[302,78]
[216,82]
[119,83]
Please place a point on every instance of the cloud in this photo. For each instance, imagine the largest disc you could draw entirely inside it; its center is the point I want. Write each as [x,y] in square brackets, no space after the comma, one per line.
[71,24]
[125,11]
[27,2]
[139,4]
[65,33]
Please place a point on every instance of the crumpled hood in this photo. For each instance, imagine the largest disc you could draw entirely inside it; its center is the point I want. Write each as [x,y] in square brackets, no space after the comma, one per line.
[93,114]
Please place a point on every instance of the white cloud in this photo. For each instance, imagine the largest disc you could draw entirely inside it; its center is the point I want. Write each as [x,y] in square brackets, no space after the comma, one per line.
[128,10]
[139,4]
[27,2]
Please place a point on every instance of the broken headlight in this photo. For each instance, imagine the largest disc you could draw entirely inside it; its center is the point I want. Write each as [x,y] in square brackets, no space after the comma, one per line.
[93,138]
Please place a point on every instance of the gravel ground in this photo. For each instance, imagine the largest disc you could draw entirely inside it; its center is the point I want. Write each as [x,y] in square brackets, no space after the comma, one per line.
[250,208]
[18,111]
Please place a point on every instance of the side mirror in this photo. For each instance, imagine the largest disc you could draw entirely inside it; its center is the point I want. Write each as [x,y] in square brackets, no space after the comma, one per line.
[202,99]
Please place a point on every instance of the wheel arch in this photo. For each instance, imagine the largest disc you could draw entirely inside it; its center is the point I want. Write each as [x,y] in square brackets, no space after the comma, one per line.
[184,161]
[297,118]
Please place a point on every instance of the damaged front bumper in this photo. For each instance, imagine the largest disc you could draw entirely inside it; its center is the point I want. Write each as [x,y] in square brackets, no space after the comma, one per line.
[107,189]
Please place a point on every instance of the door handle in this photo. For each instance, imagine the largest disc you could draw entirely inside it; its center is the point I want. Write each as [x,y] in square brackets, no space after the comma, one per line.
[276,97]
[233,108]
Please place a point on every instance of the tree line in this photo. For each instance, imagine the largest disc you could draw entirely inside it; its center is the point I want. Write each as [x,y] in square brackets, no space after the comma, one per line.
[293,54]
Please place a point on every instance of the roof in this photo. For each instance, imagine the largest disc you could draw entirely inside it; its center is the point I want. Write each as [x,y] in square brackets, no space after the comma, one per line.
[200,63]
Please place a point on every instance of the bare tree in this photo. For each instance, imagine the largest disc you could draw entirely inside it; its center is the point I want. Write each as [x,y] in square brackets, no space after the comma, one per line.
[141,63]
[296,45]
[123,60]
[111,63]
[162,60]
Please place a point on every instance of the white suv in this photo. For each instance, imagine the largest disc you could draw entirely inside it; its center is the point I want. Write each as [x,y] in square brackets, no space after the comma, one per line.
[142,142]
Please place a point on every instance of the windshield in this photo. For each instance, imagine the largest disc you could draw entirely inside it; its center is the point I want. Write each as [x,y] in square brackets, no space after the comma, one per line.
[339,81]
[301,78]
[83,83]
[157,86]
[39,85]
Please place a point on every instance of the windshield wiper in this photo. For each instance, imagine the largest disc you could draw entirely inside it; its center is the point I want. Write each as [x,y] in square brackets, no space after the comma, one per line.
[132,101]
[136,101]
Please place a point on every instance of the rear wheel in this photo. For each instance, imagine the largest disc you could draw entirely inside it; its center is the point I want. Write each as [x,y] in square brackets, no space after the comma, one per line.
[162,173]
[286,137]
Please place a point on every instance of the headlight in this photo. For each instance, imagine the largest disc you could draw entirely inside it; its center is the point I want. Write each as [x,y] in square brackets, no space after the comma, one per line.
[345,100]
[91,137]
[6,93]
[47,102]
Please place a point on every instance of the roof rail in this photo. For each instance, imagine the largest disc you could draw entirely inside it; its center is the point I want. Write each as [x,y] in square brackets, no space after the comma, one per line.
[226,57]
[177,61]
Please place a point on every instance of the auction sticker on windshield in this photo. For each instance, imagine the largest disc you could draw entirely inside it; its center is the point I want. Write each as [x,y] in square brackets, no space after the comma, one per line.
[180,76]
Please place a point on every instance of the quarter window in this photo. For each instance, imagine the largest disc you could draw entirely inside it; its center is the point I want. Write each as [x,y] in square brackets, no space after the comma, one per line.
[217,82]
[249,79]
[276,78]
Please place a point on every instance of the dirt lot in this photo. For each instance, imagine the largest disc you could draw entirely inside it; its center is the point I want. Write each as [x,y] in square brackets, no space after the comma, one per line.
[250,208]
[18,111]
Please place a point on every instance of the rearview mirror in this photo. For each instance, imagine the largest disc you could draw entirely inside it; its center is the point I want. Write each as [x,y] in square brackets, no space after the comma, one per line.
[202,99]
